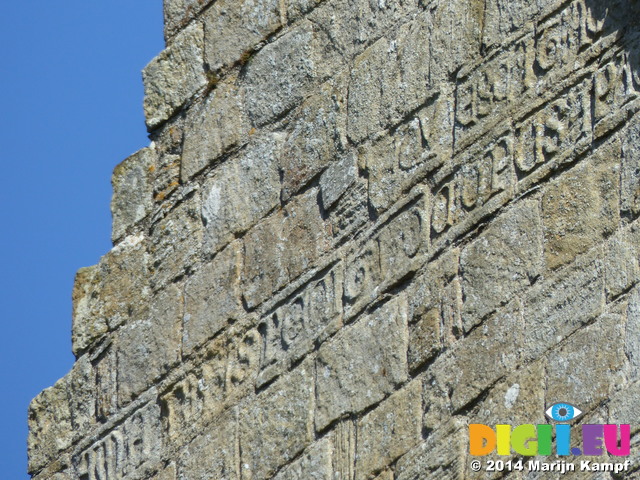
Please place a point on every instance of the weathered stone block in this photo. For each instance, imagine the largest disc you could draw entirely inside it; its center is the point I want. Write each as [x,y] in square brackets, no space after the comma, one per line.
[559,305]
[621,264]
[240,192]
[505,17]
[111,293]
[403,242]
[396,163]
[406,80]
[174,76]
[336,179]
[350,33]
[305,320]
[232,28]
[589,366]
[213,454]
[581,207]
[148,348]
[284,245]
[503,260]
[424,338]
[132,191]
[362,364]
[175,242]
[281,74]
[128,450]
[213,127]
[50,426]
[315,137]
[630,174]
[365,86]
[464,17]
[481,358]
[212,297]
[442,455]
[314,464]
[632,333]
[278,424]
[518,399]
[177,14]
[390,430]
[395,250]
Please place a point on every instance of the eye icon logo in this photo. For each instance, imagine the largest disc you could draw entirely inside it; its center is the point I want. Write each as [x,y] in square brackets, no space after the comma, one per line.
[562,412]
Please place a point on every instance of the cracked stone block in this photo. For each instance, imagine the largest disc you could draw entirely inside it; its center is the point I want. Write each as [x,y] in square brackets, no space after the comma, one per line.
[174,76]
[240,192]
[278,424]
[233,28]
[132,191]
[213,127]
[362,364]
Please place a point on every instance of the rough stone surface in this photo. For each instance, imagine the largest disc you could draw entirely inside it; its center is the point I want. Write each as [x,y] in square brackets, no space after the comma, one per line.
[174,76]
[361,226]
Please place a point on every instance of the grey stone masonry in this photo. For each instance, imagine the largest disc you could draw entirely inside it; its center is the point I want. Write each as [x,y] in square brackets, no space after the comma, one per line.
[360,227]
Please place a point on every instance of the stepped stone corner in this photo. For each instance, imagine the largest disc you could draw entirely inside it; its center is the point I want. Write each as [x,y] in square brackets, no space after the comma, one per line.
[360,227]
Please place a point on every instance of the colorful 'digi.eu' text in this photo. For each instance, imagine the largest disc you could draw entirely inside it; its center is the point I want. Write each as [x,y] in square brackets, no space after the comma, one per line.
[531,440]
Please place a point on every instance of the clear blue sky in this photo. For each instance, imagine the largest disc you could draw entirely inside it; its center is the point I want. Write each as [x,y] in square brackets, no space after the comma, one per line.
[71,109]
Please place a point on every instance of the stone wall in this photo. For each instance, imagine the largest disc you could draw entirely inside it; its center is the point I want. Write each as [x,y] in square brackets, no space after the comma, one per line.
[359,227]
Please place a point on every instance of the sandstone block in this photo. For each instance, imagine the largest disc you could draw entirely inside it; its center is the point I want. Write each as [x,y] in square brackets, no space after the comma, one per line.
[424,338]
[632,334]
[581,208]
[281,247]
[132,191]
[50,426]
[213,127]
[482,357]
[314,464]
[518,399]
[294,328]
[365,86]
[630,173]
[278,424]
[212,297]
[397,249]
[281,74]
[175,242]
[560,305]
[213,453]
[240,192]
[315,137]
[174,76]
[464,17]
[233,28]
[406,80]
[362,364]
[442,455]
[503,260]
[111,293]
[177,14]
[366,22]
[129,449]
[396,163]
[336,179]
[622,269]
[589,366]
[390,430]
[148,348]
